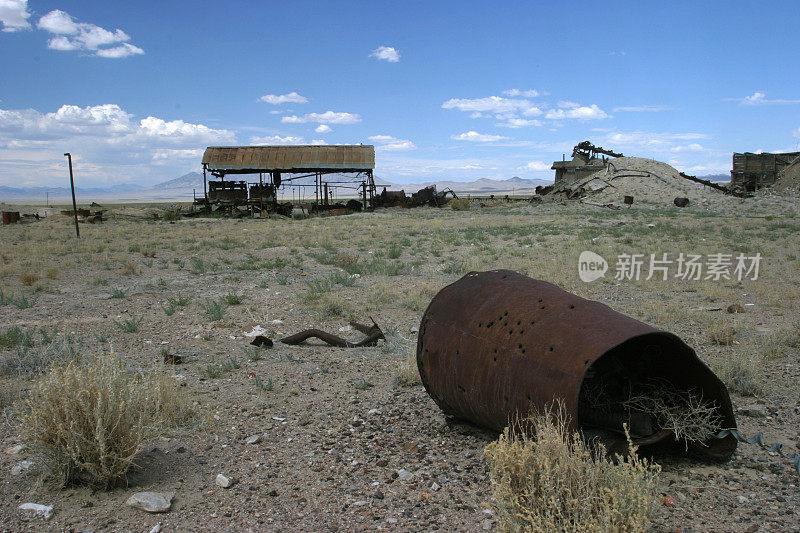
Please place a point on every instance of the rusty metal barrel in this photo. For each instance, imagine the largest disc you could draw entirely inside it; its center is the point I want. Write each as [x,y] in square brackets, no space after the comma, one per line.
[496,345]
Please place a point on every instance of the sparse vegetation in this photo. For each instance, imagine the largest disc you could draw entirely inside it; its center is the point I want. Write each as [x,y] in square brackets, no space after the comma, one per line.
[118,293]
[550,480]
[129,325]
[233,298]
[214,309]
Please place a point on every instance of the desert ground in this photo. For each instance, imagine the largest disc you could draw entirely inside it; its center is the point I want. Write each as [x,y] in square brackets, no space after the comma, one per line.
[316,438]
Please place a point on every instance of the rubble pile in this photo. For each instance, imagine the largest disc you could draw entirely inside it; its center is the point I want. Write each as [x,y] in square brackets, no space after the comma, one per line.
[646,180]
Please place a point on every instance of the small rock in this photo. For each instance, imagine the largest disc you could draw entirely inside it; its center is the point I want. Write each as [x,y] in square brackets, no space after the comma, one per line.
[435,487]
[255,439]
[277,321]
[152,502]
[487,525]
[414,329]
[223,481]
[742,499]
[391,520]
[378,495]
[735,308]
[157,528]
[36,510]
[487,513]
[753,411]
[19,468]
[404,475]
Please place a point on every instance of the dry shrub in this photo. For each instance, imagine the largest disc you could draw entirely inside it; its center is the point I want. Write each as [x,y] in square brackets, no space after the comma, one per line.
[29,278]
[128,269]
[408,371]
[459,204]
[88,422]
[52,273]
[742,372]
[722,335]
[556,482]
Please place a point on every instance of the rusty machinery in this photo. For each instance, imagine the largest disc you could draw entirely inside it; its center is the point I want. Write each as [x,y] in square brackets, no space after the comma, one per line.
[496,345]
[589,150]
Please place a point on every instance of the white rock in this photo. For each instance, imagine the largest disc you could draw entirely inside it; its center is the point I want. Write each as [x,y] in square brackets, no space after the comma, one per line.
[152,502]
[414,329]
[404,475]
[435,487]
[35,510]
[19,468]
[256,331]
[157,528]
[14,450]
[223,481]
[346,328]
[255,439]
[487,513]
[277,320]
[373,412]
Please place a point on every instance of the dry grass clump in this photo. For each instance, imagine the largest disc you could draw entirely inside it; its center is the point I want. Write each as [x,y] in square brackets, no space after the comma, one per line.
[556,482]
[29,278]
[741,372]
[722,335]
[128,269]
[408,371]
[784,342]
[88,421]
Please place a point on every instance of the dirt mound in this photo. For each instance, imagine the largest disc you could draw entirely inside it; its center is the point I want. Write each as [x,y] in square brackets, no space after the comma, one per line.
[647,180]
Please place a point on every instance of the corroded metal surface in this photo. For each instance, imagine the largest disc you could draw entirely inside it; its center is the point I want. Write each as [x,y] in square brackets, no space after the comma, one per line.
[253,159]
[496,344]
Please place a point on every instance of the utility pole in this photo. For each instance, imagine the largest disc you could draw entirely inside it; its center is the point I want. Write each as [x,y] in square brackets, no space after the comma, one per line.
[74,205]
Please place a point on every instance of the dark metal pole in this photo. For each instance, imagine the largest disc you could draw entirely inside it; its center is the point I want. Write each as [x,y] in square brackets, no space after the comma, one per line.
[74,205]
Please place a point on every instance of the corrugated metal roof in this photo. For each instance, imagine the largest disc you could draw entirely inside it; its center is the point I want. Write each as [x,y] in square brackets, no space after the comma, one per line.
[243,159]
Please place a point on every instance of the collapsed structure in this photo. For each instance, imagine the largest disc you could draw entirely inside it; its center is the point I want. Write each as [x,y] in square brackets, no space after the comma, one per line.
[329,170]
[616,180]
[495,346]
[755,171]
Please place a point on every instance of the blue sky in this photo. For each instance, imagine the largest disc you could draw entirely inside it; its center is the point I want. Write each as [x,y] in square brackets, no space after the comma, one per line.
[445,90]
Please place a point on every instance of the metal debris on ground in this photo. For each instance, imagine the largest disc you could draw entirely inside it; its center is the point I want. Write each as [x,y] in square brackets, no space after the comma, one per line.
[494,346]
[373,335]
[262,341]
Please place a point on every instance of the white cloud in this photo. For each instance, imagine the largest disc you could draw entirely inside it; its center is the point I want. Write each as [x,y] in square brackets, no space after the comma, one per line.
[531,93]
[474,136]
[519,123]
[323,128]
[651,143]
[591,112]
[537,166]
[14,15]
[276,139]
[318,142]
[276,99]
[109,141]
[328,117]
[386,53]
[566,104]
[70,35]
[490,104]
[388,143]
[617,53]
[759,98]
[643,108]
[168,154]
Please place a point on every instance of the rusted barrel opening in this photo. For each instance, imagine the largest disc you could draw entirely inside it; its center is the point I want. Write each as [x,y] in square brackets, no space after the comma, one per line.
[654,372]
[494,346]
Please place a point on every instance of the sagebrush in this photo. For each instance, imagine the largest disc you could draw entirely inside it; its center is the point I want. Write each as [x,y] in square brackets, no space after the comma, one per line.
[545,478]
[87,421]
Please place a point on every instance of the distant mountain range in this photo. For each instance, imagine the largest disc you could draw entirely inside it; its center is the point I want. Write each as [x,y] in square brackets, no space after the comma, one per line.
[180,189]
